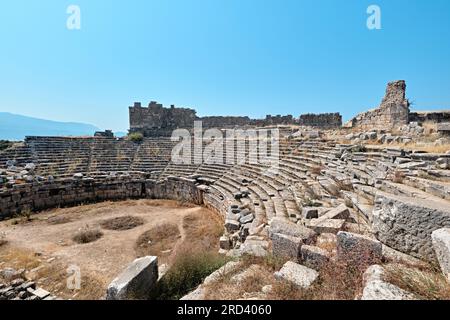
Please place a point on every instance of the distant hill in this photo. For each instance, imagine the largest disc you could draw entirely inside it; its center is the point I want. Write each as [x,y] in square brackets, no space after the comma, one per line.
[16,127]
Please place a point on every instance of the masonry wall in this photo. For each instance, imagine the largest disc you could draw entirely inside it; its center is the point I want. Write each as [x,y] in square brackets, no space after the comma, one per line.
[155,120]
[70,192]
[430,116]
[323,120]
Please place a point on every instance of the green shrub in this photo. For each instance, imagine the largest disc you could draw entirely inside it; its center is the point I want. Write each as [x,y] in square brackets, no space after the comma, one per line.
[136,137]
[186,273]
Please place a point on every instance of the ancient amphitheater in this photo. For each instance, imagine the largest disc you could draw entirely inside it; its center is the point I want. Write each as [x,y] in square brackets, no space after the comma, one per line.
[359,210]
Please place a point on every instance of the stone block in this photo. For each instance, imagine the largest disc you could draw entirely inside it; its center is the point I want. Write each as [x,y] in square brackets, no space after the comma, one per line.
[283,226]
[441,245]
[297,274]
[136,281]
[310,213]
[406,224]
[314,257]
[232,225]
[328,226]
[375,288]
[358,247]
[286,246]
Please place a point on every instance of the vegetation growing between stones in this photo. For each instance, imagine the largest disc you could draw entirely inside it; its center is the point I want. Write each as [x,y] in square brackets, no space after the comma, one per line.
[136,137]
[426,284]
[188,270]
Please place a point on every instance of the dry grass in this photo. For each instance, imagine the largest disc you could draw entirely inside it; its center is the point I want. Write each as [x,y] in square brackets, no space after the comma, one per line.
[122,223]
[316,170]
[87,235]
[203,230]
[158,239]
[340,279]
[188,270]
[18,258]
[250,284]
[54,279]
[427,284]
[422,146]
[55,220]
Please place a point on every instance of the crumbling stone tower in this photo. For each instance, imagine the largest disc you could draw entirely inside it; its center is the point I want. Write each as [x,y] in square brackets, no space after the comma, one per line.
[392,113]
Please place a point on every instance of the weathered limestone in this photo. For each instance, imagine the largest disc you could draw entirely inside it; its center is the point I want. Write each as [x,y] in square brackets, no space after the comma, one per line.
[159,121]
[286,246]
[378,289]
[393,111]
[314,257]
[200,291]
[297,274]
[283,226]
[136,281]
[406,224]
[352,246]
[441,245]
[69,192]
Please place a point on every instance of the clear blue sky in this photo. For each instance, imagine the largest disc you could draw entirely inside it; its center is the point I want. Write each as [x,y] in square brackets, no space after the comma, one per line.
[223,57]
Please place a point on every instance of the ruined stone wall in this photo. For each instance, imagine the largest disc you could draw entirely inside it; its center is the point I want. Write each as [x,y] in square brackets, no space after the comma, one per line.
[159,121]
[155,118]
[393,111]
[323,120]
[70,192]
[430,116]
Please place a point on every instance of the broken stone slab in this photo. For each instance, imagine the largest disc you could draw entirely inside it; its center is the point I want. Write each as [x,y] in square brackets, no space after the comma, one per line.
[358,247]
[225,243]
[41,293]
[392,255]
[441,245]
[246,219]
[314,257]
[377,289]
[406,224]
[286,246]
[252,270]
[254,248]
[136,281]
[339,213]
[299,275]
[310,213]
[283,226]
[327,226]
[232,225]
[227,268]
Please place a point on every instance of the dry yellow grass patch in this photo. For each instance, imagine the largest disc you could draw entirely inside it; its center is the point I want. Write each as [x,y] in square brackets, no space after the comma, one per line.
[254,274]
[18,258]
[427,284]
[158,239]
[202,230]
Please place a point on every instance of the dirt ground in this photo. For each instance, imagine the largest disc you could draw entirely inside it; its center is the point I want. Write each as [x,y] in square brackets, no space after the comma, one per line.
[45,247]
